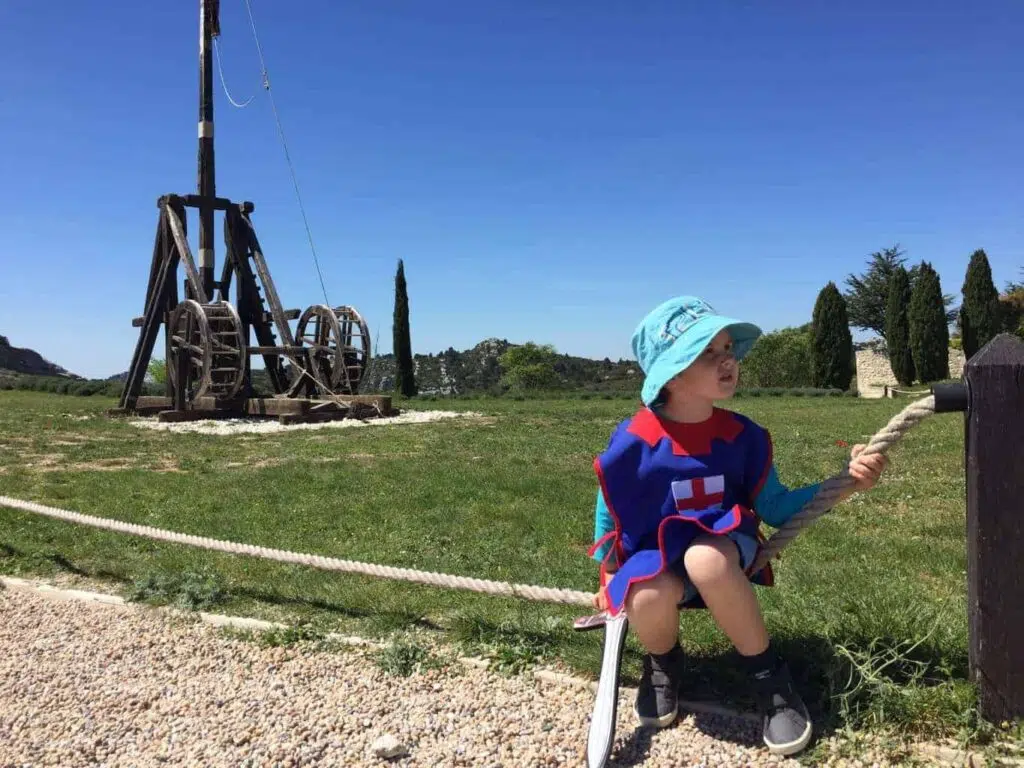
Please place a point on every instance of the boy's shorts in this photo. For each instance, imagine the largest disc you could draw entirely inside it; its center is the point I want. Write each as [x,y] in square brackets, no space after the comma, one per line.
[747,546]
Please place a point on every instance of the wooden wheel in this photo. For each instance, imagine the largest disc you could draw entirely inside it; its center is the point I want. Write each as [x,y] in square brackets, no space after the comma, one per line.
[337,350]
[207,344]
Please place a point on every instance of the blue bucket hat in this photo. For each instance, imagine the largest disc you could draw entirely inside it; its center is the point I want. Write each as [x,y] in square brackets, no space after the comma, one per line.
[675,333]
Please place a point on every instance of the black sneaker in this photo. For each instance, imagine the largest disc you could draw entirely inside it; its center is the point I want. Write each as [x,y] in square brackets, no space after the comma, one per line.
[657,699]
[786,725]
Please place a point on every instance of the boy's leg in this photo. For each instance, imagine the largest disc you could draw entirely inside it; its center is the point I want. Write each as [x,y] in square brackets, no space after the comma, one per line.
[653,611]
[653,614]
[713,565]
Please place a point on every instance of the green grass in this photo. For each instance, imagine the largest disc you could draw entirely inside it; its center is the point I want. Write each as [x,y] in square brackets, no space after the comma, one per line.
[870,604]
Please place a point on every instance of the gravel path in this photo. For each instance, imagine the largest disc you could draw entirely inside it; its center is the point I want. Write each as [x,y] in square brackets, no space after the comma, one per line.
[84,684]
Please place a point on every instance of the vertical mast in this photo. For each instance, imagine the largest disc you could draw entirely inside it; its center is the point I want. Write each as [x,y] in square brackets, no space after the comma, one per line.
[209,27]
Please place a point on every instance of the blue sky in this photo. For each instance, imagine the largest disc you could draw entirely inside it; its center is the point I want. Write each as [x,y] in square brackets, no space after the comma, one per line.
[548,171]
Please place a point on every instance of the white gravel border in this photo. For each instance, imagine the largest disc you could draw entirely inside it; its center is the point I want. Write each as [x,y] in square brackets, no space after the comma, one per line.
[265,426]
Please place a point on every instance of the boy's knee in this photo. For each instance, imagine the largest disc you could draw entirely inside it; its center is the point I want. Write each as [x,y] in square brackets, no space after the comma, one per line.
[664,590]
[711,559]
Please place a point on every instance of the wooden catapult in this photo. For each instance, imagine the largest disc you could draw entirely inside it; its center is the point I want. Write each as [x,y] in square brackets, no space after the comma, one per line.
[315,373]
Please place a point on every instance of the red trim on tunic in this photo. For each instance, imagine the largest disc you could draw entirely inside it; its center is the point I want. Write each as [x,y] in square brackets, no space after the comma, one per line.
[688,439]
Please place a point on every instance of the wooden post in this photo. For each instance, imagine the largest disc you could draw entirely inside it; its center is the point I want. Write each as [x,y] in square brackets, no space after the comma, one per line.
[995,526]
[209,27]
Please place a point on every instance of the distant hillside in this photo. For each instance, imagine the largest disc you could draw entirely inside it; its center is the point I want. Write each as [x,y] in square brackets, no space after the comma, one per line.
[477,370]
[28,361]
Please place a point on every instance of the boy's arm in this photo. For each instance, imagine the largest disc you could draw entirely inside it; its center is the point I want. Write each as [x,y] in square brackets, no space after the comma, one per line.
[775,503]
[603,524]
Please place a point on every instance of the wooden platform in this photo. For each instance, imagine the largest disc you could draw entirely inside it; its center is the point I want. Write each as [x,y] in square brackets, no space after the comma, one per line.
[288,410]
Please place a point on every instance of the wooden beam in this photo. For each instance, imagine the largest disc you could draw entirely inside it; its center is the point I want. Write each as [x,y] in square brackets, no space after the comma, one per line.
[289,314]
[198,201]
[995,526]
[251,310]
[161,288]
[175,218]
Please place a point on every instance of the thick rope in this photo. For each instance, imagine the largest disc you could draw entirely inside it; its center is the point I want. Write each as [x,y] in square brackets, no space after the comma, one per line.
[833,488]
[822,502]
[539,594]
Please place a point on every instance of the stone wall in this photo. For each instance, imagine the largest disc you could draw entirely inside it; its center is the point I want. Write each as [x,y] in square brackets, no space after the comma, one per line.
[874,372]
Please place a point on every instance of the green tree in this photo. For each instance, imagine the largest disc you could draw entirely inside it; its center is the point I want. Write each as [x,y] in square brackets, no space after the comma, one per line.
[405,378]
[1011,287]
[781,358]
[529,366]
[980,314]
[1012,309]
[157,370]
[929,329]
[832,359]
[897,328]
[868,293]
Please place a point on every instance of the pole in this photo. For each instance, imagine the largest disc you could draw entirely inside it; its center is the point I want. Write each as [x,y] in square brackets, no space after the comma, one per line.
[209,27]
[995,526]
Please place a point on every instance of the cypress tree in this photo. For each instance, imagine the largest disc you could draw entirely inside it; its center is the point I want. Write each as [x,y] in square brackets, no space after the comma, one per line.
[980,314]
[929,333]
[405,379]
[832,359]
[897,328]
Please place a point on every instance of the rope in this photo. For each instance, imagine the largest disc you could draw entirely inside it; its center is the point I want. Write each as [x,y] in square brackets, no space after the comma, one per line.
[284,144]
[224,85]
[539,594]
[822,502]
[833,488]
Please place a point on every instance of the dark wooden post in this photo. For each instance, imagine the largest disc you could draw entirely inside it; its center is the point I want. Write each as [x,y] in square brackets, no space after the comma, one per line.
[995,526]
[209,27]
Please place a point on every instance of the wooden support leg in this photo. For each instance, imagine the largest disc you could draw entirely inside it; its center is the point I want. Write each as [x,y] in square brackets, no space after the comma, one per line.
[995,526]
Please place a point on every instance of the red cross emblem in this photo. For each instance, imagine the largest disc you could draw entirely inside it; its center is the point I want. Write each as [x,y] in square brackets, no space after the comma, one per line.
[699,493]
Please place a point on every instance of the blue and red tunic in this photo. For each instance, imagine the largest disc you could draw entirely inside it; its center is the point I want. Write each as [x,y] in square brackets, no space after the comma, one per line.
[665,483]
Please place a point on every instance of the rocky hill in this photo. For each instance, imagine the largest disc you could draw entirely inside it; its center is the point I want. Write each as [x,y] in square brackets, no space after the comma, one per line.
[478,370]
[27,361]
[451,372]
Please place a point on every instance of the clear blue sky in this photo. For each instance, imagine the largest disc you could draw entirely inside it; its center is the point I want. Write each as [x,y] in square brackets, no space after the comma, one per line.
[548,171]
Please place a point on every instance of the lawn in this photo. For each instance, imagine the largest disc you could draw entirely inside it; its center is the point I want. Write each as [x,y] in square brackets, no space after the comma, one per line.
[870,604]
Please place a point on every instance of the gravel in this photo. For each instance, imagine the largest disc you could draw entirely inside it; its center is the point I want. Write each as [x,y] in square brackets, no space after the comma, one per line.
[264,426]
[89,683]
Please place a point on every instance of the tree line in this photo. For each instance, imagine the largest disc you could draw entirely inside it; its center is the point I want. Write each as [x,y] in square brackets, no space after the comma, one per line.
[908,311]
[905,307]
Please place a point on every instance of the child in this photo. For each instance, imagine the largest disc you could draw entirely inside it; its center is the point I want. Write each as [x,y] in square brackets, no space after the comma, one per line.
[684,486]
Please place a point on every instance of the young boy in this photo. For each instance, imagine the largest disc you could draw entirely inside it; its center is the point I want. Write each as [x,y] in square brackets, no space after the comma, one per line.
[684,486]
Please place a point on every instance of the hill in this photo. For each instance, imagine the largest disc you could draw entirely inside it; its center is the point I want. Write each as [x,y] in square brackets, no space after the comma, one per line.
[28,362]
[478,370]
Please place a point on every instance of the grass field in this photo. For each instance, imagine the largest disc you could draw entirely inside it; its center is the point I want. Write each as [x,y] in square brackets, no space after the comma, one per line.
[870,604]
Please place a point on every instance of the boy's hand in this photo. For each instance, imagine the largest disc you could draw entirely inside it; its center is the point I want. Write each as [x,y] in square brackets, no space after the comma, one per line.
[600,599]
[866,470]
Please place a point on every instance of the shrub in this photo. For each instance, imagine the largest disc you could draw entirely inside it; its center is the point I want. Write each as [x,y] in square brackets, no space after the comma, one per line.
[779,359]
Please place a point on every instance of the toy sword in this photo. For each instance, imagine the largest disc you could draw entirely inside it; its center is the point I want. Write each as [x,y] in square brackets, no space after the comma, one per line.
[602,722]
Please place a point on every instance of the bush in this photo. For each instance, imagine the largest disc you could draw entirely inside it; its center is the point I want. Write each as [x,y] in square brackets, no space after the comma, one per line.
[60,385]
[1012,311]
[529,367]
[779,359]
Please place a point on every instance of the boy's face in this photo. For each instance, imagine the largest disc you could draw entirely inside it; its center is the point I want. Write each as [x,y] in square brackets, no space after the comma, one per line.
[712,376]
